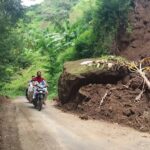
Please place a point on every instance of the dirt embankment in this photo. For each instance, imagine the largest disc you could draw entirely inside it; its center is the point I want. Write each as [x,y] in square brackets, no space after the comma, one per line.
[8,127]
[110,95]
[83,92]
[120,104]
[135,44]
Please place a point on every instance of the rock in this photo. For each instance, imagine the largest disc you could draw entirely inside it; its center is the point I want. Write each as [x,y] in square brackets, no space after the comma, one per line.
[76,75]
[70,106]
[146,115]
[84,117]
[128,112]
[108,86]
[127,105]
[98,110]
[136,83]
[80,107]
[126,80]
[137,91]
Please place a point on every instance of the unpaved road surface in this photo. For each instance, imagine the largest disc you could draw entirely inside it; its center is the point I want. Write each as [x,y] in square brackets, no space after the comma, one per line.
[51,129]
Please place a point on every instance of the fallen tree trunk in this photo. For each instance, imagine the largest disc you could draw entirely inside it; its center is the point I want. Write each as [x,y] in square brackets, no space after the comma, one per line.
[142,74]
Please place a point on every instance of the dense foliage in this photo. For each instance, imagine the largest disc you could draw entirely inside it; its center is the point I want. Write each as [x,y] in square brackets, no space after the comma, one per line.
[10,12]
[59,31]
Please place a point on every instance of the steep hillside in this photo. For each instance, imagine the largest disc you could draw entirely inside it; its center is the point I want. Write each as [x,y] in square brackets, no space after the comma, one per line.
[136,43]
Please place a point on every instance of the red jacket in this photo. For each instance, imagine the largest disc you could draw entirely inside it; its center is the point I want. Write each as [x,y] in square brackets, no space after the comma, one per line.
[38,79]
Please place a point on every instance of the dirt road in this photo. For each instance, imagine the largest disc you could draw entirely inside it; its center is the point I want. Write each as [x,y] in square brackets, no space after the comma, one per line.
[52,129]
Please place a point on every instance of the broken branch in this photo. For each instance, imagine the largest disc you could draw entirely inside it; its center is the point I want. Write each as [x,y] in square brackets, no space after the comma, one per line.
[142,74]
[138,98]
[103,98]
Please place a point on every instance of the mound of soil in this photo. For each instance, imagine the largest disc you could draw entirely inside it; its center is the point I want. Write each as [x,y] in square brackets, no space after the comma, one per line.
[135,44]
[119,106]
[76,75]
[9,139]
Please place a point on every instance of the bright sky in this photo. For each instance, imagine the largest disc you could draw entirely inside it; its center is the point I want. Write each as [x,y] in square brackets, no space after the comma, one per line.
[31,2]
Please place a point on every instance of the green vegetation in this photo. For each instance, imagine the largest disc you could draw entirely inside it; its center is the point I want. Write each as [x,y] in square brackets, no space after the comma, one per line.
[55,32]
[10,12]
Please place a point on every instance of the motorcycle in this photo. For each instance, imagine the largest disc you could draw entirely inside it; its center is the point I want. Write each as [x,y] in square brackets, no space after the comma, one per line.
[40,96]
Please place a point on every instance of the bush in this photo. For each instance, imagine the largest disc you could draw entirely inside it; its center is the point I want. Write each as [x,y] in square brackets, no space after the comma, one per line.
[67,55]
[84,44]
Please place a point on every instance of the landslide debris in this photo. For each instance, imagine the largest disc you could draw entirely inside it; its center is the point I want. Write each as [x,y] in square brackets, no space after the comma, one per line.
[77,74]
[104,93]
[113,94]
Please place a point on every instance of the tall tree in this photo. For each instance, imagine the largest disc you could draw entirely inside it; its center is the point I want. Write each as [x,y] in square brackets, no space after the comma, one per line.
[10,12]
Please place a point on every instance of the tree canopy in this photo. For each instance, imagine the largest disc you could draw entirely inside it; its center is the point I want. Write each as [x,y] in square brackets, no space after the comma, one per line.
[10,12]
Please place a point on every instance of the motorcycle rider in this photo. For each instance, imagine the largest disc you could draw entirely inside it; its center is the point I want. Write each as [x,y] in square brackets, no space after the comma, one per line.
[39,80]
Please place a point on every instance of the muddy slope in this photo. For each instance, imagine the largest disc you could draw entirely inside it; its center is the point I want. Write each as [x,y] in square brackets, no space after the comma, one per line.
[82,91]
[119,106]
[136,44]
[9,139]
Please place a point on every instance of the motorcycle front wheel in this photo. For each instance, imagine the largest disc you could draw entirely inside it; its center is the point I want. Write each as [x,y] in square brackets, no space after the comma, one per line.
[35,103]
[40,101]
[40,105]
